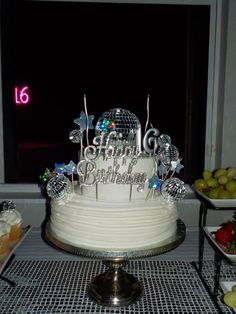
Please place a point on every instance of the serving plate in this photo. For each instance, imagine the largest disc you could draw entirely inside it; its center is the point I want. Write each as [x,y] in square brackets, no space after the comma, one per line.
[210,233]
[226,286]
[5,259]
[217,202]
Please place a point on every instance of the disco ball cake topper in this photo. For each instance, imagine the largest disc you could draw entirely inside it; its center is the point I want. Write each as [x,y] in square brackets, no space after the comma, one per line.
[59,187]
[118,137]
[123,122]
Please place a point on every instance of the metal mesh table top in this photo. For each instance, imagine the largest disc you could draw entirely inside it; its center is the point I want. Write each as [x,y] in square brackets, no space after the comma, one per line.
[60,287]
[52,281]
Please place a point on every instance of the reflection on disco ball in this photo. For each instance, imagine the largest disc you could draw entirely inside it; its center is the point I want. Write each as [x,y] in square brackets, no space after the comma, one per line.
[168,153]
[163,139]
[59,187]
[173,189]
[122,121]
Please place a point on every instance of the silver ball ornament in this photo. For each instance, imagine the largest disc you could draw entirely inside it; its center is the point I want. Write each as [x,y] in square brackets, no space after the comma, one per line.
[163,139]
[173,189]
[59,187]
[124,122]
[168,153]
[75,136]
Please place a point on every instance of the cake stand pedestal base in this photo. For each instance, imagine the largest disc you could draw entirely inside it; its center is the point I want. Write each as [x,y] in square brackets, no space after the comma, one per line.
[115,287]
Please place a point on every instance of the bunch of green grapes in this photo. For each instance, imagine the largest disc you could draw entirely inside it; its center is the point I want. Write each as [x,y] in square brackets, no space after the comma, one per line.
[218,184]
[230,297]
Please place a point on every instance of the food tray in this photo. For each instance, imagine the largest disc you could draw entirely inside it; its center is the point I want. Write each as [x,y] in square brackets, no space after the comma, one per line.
[226,286]
[4,260]
[210,233]
[217,202]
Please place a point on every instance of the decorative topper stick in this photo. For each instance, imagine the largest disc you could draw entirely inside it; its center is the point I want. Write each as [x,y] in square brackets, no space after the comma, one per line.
[71,169]
[145,130]
[82,124]
[96,191]
[87,121]
[130,191]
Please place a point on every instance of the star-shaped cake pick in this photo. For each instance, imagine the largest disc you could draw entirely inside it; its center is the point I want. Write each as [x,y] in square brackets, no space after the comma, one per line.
[47,175]
[176,166]
[59,168]
[155,183]
[70,168]
[162,169]
[82,121]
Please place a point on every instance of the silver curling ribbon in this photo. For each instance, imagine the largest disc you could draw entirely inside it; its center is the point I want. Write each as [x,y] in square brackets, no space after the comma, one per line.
[150,143]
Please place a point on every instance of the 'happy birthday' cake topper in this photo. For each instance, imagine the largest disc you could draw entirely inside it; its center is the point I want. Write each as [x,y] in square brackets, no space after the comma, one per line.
[118,140]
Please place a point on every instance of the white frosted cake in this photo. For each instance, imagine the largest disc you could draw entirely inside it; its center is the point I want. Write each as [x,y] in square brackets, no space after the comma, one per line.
[121,194]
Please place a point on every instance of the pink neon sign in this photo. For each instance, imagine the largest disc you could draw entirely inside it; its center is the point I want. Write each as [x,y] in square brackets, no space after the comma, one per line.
[22,96]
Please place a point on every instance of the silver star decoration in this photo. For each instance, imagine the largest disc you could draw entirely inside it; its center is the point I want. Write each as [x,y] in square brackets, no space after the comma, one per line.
[71,167]
[82,121]
[176,166]
[161,169]
[179,167]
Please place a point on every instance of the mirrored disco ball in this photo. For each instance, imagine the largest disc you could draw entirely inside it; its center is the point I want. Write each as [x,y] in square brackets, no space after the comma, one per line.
[75,136]
[59,187]
[173,189]
[163,139]
[168,153]
[122,121]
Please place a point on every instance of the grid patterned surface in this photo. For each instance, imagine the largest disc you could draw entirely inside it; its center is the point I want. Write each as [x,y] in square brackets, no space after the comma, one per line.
[60,287]
[227,273]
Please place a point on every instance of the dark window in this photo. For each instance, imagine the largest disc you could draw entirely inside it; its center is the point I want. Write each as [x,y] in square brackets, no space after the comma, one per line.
[116,54]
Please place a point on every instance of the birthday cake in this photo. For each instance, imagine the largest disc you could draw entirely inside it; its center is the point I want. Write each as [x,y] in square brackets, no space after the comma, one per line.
[122,192]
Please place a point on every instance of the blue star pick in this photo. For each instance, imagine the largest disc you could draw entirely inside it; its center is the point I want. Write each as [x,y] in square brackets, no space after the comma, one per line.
[161,170]
[59,168]
[70,168]
[155,183]
[82,121]
[179,167]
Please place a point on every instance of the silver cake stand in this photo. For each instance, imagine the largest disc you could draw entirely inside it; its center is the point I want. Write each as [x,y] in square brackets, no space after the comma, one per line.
[116,287]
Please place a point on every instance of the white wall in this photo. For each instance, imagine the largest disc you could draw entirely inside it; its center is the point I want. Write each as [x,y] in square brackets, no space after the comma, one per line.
[229,112]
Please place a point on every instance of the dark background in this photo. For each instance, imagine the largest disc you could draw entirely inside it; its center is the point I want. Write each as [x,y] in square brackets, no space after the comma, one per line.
[116,54]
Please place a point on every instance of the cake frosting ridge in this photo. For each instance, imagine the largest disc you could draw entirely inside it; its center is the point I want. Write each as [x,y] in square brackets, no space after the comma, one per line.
[112,226]
[122,191]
